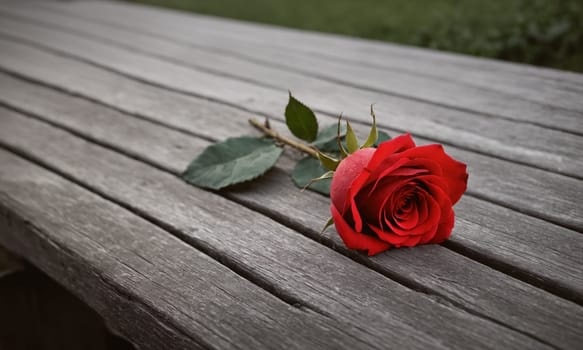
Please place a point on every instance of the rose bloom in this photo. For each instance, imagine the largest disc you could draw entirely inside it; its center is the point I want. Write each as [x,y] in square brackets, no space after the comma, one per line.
[397,195]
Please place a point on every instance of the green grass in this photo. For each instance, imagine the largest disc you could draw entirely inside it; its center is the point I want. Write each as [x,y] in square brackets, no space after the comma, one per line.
[541,32]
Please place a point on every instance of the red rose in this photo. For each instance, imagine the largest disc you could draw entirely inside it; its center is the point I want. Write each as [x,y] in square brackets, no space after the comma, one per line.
[396,195]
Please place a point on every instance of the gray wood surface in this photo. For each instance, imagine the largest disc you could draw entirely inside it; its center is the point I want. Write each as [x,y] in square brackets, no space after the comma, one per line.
[533,191]
[507,181]
[278,258]
[150,286]
[481,91]
[433,269]
[113,100]
[550,149]
[355,48]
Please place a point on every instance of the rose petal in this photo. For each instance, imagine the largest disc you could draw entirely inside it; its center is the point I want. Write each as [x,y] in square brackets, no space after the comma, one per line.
[407,170]
[412,241]
[355,215]
[446,218]
[390,147]
[371,206]
[454,172]
[431,166]
[408,221]
[388,236]
[345,175]
[422,208]
[404,167]
[386,172]
[422,228]
[355,240]
[428,235]
[432,214]
[445,228]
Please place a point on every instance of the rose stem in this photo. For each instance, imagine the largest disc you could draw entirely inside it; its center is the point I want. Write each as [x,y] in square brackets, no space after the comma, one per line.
[276,136]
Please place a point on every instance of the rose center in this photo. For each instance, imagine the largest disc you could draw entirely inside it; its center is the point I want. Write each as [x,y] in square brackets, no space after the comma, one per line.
[401,211]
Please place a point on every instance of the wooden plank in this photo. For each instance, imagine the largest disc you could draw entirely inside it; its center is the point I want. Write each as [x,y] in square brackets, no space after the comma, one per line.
[532,191]
[433,269]
[552,150]
[488,90]
[280,259]
[153,288]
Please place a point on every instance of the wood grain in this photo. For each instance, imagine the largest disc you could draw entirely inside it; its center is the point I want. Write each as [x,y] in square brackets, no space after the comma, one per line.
[532,191]
[485,86]
[283,261]
[432,269]
[156,290]
[550,149]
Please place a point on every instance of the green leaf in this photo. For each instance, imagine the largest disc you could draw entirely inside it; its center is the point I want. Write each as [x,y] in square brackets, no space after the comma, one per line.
[383,136]
[307,169]
[351,140]
[373,135]
[343,152]
[232,161]
[326,140]
[327,161]
[328,223]
[327,175]
[300,120]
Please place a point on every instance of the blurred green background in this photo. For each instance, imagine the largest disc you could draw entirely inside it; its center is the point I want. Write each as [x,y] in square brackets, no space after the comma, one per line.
[540,32]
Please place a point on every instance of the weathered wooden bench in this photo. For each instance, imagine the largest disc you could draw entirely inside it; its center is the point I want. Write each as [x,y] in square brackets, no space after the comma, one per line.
[102,105]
